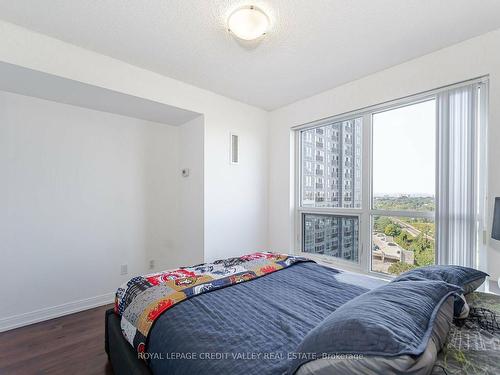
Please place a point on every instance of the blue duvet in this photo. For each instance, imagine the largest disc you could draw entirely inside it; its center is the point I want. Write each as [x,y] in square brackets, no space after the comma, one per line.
[253,327]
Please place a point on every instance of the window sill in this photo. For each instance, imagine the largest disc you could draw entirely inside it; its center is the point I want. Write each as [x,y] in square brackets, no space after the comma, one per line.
[343,265]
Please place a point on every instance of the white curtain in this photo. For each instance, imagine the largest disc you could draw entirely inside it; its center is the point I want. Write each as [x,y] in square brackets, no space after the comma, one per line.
[458,176]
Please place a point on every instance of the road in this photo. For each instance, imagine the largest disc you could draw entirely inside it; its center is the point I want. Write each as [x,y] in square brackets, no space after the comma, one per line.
[410,229]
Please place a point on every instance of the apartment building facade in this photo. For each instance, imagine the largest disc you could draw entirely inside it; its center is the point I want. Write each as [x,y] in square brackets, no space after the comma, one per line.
[331,177]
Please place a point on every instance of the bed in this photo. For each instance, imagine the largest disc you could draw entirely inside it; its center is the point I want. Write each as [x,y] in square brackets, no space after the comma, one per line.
[250,319]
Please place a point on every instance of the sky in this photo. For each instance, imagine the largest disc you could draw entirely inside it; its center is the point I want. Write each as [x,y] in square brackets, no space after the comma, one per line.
[404,145]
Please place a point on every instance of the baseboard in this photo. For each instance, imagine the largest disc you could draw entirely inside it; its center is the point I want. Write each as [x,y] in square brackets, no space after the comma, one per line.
[47,313]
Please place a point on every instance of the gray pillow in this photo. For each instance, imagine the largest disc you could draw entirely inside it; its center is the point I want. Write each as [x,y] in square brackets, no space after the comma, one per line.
[394,322]
[469,279]
[402,364]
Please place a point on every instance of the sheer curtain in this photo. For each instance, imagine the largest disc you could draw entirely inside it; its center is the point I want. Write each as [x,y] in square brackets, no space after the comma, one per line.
[460,175]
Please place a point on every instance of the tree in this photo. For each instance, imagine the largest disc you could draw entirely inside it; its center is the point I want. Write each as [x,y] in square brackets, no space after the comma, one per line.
[403,240]
[381,222]
[425,258]
[421,243]
[400,267]
[423,248]
[392,230]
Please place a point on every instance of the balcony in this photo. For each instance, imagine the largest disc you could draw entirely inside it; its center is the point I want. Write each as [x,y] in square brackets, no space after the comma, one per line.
[320,158]
[308,156]
[320,144]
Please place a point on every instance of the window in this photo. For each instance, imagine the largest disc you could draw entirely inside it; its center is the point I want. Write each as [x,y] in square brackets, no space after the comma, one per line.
[332,235]
[404,187]
[370,180]
[340,157]
[337,176]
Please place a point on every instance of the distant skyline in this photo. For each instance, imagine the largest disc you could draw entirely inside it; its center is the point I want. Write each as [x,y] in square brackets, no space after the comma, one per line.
[404,150]
[424,195]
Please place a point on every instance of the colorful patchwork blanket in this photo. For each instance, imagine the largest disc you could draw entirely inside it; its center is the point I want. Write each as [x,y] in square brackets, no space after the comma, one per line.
[144,298]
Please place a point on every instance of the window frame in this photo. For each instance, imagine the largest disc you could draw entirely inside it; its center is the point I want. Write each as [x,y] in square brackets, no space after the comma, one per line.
[366,212]
[300,210]
[346,263]
[401,213]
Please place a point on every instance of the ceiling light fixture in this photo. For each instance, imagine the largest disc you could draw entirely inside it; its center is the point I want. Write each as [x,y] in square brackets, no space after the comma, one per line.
[248,23]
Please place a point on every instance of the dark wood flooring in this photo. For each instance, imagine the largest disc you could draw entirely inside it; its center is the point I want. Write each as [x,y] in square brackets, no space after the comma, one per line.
[72,344]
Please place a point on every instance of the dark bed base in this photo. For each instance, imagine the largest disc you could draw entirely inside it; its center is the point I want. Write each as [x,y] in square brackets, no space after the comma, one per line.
[121,355]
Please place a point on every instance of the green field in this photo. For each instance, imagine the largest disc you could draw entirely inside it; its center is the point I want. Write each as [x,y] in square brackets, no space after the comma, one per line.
[404,203]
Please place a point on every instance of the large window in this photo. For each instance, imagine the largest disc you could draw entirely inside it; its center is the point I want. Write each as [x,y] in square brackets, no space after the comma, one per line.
[367,192]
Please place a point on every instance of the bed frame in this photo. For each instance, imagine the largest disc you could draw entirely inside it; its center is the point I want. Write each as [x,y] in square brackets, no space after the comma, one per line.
[122,356]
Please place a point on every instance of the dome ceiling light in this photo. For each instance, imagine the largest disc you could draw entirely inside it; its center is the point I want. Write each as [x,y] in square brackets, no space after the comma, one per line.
[248,23]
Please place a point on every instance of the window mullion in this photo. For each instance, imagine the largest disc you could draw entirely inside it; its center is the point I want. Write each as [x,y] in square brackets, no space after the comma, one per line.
[365,222]
[331,211]
[414,214]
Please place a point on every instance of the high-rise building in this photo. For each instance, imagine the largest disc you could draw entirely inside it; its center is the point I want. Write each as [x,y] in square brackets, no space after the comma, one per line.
[331,177]
[336,236]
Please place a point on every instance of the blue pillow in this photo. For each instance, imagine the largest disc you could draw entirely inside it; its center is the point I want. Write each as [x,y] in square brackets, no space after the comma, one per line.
[392,320]
[469,279]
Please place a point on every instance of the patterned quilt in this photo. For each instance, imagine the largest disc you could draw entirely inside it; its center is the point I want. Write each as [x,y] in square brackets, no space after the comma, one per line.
[473,348]
[144,298]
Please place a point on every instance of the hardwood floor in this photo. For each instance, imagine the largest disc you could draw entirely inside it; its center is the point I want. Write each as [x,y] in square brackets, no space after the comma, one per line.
[72,344]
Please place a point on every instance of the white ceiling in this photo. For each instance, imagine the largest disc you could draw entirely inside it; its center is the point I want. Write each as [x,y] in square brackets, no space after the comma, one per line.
[314,45]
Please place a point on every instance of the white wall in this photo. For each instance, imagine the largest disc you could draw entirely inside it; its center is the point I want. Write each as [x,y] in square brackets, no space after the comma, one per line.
[224,205]
[235,195]
[244,220]
[191,214]
[470,59]
[82,193]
